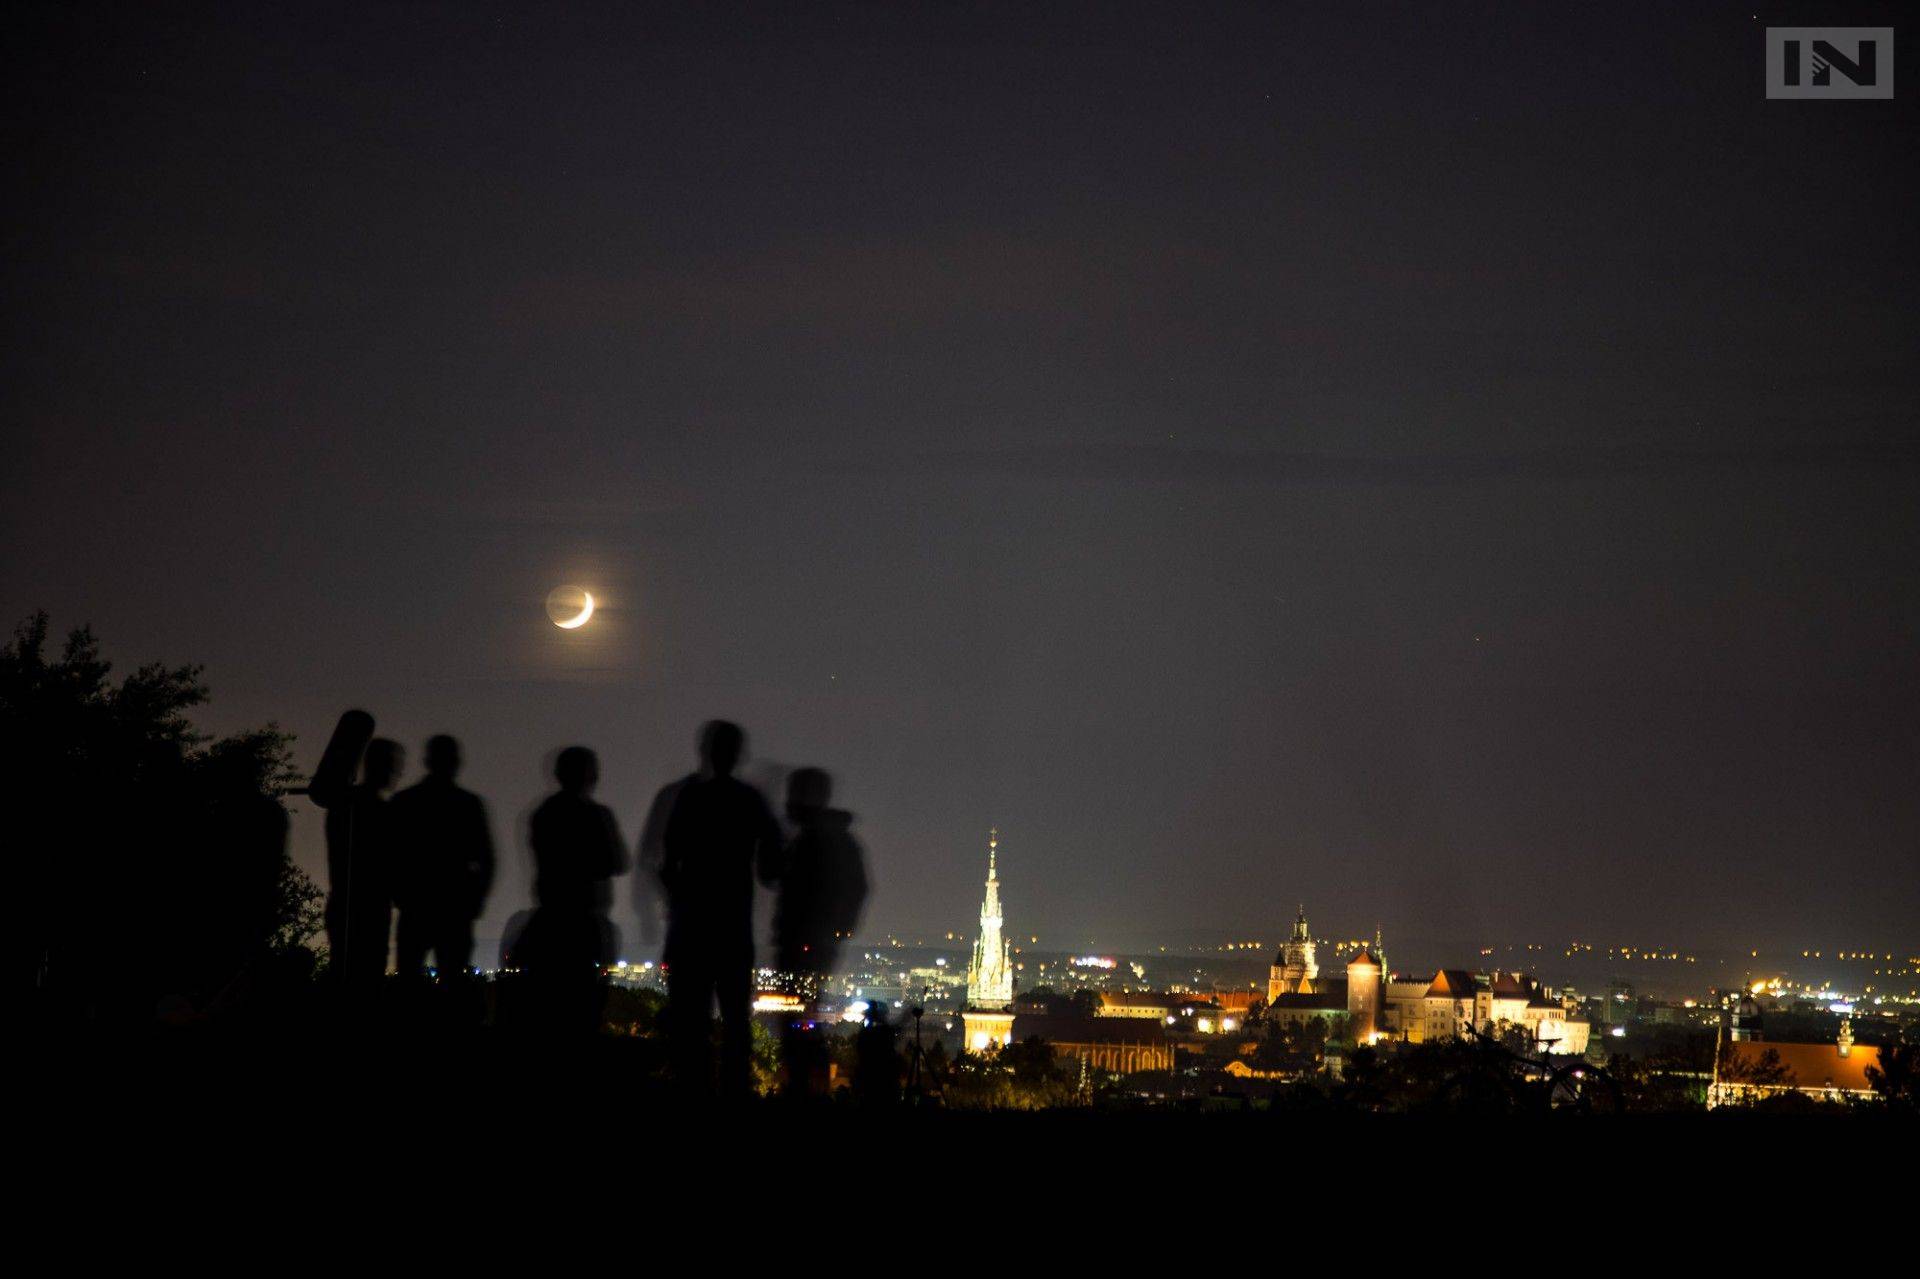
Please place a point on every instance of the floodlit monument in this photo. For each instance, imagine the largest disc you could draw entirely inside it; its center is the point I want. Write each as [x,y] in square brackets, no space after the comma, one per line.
[988,1015]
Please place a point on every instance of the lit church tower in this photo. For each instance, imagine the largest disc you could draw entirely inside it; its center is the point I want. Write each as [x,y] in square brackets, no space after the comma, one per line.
[988,1020]
[1294,968]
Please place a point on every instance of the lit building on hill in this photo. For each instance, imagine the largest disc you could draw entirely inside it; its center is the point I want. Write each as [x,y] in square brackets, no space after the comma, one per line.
[1371,1003]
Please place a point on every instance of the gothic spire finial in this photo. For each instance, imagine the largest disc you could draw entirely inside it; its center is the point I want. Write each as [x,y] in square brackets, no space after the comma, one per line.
[990,974]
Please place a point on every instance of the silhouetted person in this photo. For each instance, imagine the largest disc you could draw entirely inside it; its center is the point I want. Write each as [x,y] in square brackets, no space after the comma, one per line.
[569,940]
[443,865]
[823,884]
[720,834]
[360,867]
[876,1064]
[650,855]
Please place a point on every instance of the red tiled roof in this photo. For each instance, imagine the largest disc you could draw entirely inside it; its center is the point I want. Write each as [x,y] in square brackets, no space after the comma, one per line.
[1135,999]
[1317,1001]
[1812,1065]
[1508,986]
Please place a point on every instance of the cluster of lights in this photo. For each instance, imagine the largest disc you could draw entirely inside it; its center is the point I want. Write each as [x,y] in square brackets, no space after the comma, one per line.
[1659,953]
[770,1001]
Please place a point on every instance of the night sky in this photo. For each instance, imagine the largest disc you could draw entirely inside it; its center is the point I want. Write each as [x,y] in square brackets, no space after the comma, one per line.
[1452,466]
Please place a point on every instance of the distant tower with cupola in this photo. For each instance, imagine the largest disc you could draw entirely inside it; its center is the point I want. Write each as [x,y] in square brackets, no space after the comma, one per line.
[1295,968]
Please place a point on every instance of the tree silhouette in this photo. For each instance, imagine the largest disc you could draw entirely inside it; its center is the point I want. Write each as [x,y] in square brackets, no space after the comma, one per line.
[1896,1077]
[1765,1071]
[135,834]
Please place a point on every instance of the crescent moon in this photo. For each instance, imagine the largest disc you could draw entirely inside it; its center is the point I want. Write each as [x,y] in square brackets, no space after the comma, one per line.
[586,611]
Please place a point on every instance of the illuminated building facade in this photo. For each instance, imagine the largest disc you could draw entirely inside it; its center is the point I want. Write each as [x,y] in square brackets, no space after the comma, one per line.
[1458,1002]
[1371,1004]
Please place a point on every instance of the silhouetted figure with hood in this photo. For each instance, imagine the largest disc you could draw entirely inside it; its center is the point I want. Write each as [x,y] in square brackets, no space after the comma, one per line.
[360,852]
[443,865]
[719,835]
[569,941]
[823,885]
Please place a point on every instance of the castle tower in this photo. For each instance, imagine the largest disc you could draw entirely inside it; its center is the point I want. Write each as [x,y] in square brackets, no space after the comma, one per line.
[989,1023]
[1363,996]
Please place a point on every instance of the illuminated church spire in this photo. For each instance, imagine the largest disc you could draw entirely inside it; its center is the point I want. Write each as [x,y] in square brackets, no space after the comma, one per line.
[990,975]
[1296,967]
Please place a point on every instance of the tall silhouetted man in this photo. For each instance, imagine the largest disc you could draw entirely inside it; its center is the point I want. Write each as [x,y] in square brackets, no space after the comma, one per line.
[576,853]
[443,865]
[823,885]
[720,834]
[360,847]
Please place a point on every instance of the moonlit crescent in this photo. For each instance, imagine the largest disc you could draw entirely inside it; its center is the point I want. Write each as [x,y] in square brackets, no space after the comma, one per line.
[586,611]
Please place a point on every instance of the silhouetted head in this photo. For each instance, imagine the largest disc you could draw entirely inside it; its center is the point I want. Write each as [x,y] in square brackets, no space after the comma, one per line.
[723,745]
[383,762]
[443,757]
[577,769]
[808,791]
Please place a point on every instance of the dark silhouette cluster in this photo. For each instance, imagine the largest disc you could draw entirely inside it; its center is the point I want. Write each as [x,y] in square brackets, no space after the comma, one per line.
[134,834]
[427,852]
